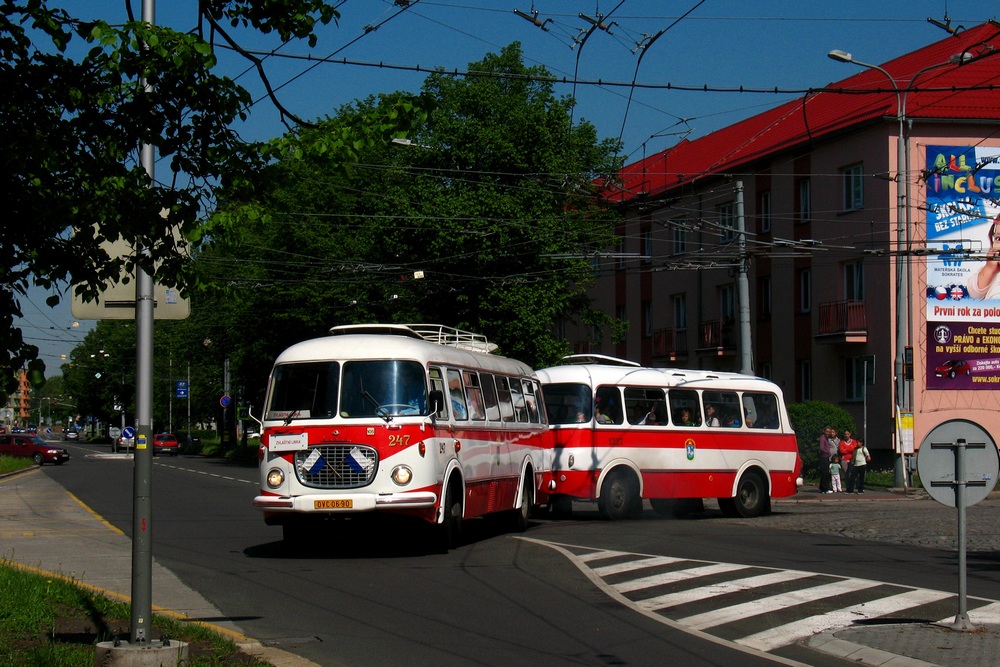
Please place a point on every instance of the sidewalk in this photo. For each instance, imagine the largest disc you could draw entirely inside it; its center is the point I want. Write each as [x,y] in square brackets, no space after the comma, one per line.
[44,528]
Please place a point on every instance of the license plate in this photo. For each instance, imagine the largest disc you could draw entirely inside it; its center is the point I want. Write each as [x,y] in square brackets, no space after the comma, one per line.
[333,504]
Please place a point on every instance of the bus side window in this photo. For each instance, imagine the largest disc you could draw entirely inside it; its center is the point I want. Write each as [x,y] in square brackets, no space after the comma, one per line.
[727,407]
[517,398]
[645,406]
[437,384]
[503,396]
[531,400]
[685,409]
[766,407]
[458,408]
[608,406]
[475,395]
[490,398]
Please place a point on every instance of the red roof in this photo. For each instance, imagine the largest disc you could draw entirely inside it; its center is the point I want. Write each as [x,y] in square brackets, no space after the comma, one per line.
[970,91]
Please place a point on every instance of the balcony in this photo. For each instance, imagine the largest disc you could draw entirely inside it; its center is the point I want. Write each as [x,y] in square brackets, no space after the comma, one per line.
[717,337]
[670,343]
[842,322]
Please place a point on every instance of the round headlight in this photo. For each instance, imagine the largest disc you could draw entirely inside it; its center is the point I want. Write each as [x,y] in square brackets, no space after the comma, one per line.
[402,475]
[275,478]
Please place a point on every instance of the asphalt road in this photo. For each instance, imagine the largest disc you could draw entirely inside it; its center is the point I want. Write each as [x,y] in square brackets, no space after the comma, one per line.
[372,595]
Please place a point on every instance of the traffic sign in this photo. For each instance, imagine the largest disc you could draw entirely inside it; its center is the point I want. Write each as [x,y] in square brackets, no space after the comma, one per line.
[225,401]
[181,387]
[951,442]
[128,432]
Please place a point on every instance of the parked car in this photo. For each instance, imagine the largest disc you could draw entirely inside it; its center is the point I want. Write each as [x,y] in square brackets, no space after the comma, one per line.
[166,443]
[123,443]
[71,434]
[32,447]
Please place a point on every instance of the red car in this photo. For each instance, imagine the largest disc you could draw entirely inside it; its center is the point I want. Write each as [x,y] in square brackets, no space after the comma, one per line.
[32,447]
[166,443]
[952,368]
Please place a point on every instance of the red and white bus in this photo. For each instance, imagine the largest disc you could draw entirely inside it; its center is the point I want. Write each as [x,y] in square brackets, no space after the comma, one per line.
[419,420]
[623,432]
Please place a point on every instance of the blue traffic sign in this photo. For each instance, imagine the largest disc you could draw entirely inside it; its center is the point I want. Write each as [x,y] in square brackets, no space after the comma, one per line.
[225,401]
[128,432]
[181,388]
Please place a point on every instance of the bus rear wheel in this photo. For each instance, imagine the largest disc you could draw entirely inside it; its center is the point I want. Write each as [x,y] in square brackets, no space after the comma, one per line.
[619,496]
[751,498]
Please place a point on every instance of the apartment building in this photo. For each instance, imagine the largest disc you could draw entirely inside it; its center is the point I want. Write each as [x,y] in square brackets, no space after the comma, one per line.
[829,244]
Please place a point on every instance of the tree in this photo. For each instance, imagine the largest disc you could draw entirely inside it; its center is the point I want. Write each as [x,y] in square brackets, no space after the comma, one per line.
[80,100]
[487,219]
[808,420]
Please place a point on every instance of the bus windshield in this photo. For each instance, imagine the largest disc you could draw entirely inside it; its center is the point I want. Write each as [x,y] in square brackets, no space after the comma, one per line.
[568,403]
[383,389]
[304,391]
[311,390]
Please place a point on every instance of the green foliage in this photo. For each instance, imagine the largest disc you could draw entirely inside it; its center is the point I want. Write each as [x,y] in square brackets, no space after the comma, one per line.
[75,119]
[486,220]
[808,420]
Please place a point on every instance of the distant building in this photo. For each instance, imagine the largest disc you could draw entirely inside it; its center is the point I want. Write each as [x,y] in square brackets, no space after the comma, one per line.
[824,197]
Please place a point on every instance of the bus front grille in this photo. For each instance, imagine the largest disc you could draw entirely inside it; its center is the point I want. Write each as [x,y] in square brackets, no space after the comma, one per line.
[336,466]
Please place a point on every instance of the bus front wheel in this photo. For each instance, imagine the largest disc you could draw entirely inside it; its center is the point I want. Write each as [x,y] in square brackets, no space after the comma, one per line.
[751,498]
[619,496]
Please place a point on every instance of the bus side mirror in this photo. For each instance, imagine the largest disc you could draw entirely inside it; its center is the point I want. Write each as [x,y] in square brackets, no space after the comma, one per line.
[435,401]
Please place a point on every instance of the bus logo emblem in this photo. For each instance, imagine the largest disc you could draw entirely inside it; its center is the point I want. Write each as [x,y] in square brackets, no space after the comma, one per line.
[689,449]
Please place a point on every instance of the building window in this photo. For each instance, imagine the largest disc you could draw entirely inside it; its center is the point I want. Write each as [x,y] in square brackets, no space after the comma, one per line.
[679,236]
[680,312]
[647,319]
[727,303]
[805,290]
[622,314]
[854,281]
[727,221]
[764,297]
[764,211]
[765,370]
[805,380]
[854,187]
[854,380]
[803,205]
[647,245]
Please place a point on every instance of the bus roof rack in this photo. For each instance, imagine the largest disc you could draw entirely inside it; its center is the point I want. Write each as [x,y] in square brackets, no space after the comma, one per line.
[432,333]
[597,359]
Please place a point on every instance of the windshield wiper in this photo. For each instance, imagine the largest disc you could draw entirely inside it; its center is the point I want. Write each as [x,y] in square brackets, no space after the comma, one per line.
[291,416]
[379,410]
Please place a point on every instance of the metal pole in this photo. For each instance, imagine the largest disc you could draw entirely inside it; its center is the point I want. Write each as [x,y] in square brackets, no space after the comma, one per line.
[142,529]
[743,287]
[962,621]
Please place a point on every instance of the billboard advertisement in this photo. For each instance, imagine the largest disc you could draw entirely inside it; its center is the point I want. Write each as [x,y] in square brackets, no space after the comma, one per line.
[963,267]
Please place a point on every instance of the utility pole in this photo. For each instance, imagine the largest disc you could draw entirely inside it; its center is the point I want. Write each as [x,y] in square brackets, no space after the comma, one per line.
[743,286]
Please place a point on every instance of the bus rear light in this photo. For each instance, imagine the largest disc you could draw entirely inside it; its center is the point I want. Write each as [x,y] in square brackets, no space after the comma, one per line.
[458,446]
[275,478]
[422,448]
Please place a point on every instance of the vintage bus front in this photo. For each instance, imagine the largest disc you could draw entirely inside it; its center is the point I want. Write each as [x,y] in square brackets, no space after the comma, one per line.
[346,435]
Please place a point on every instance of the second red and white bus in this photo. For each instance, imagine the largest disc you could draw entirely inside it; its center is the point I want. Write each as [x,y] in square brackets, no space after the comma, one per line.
[623,433]
[419,420]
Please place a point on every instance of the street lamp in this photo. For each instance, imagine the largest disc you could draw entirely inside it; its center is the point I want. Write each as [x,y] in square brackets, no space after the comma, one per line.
[904,389]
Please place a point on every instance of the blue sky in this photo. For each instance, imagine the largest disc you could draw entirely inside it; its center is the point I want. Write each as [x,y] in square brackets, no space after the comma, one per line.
[757,44]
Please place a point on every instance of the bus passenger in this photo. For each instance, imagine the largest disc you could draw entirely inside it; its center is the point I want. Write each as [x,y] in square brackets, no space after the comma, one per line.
[652,417]
[684,418]
[711,418]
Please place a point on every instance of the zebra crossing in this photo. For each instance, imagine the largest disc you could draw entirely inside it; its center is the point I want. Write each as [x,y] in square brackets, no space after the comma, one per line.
[759,608]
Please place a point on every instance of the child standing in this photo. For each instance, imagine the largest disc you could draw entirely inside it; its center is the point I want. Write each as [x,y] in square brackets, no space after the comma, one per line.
[835,474]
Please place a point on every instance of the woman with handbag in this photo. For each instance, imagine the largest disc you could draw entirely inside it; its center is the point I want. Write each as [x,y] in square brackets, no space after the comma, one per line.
[856,477]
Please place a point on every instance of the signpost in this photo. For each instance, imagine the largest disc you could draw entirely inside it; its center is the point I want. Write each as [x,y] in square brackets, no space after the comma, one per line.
[958,464]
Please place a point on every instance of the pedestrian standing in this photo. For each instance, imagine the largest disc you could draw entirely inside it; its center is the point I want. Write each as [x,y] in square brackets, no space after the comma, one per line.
[847,446]
[858,468]
[825,451]
[835,474]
